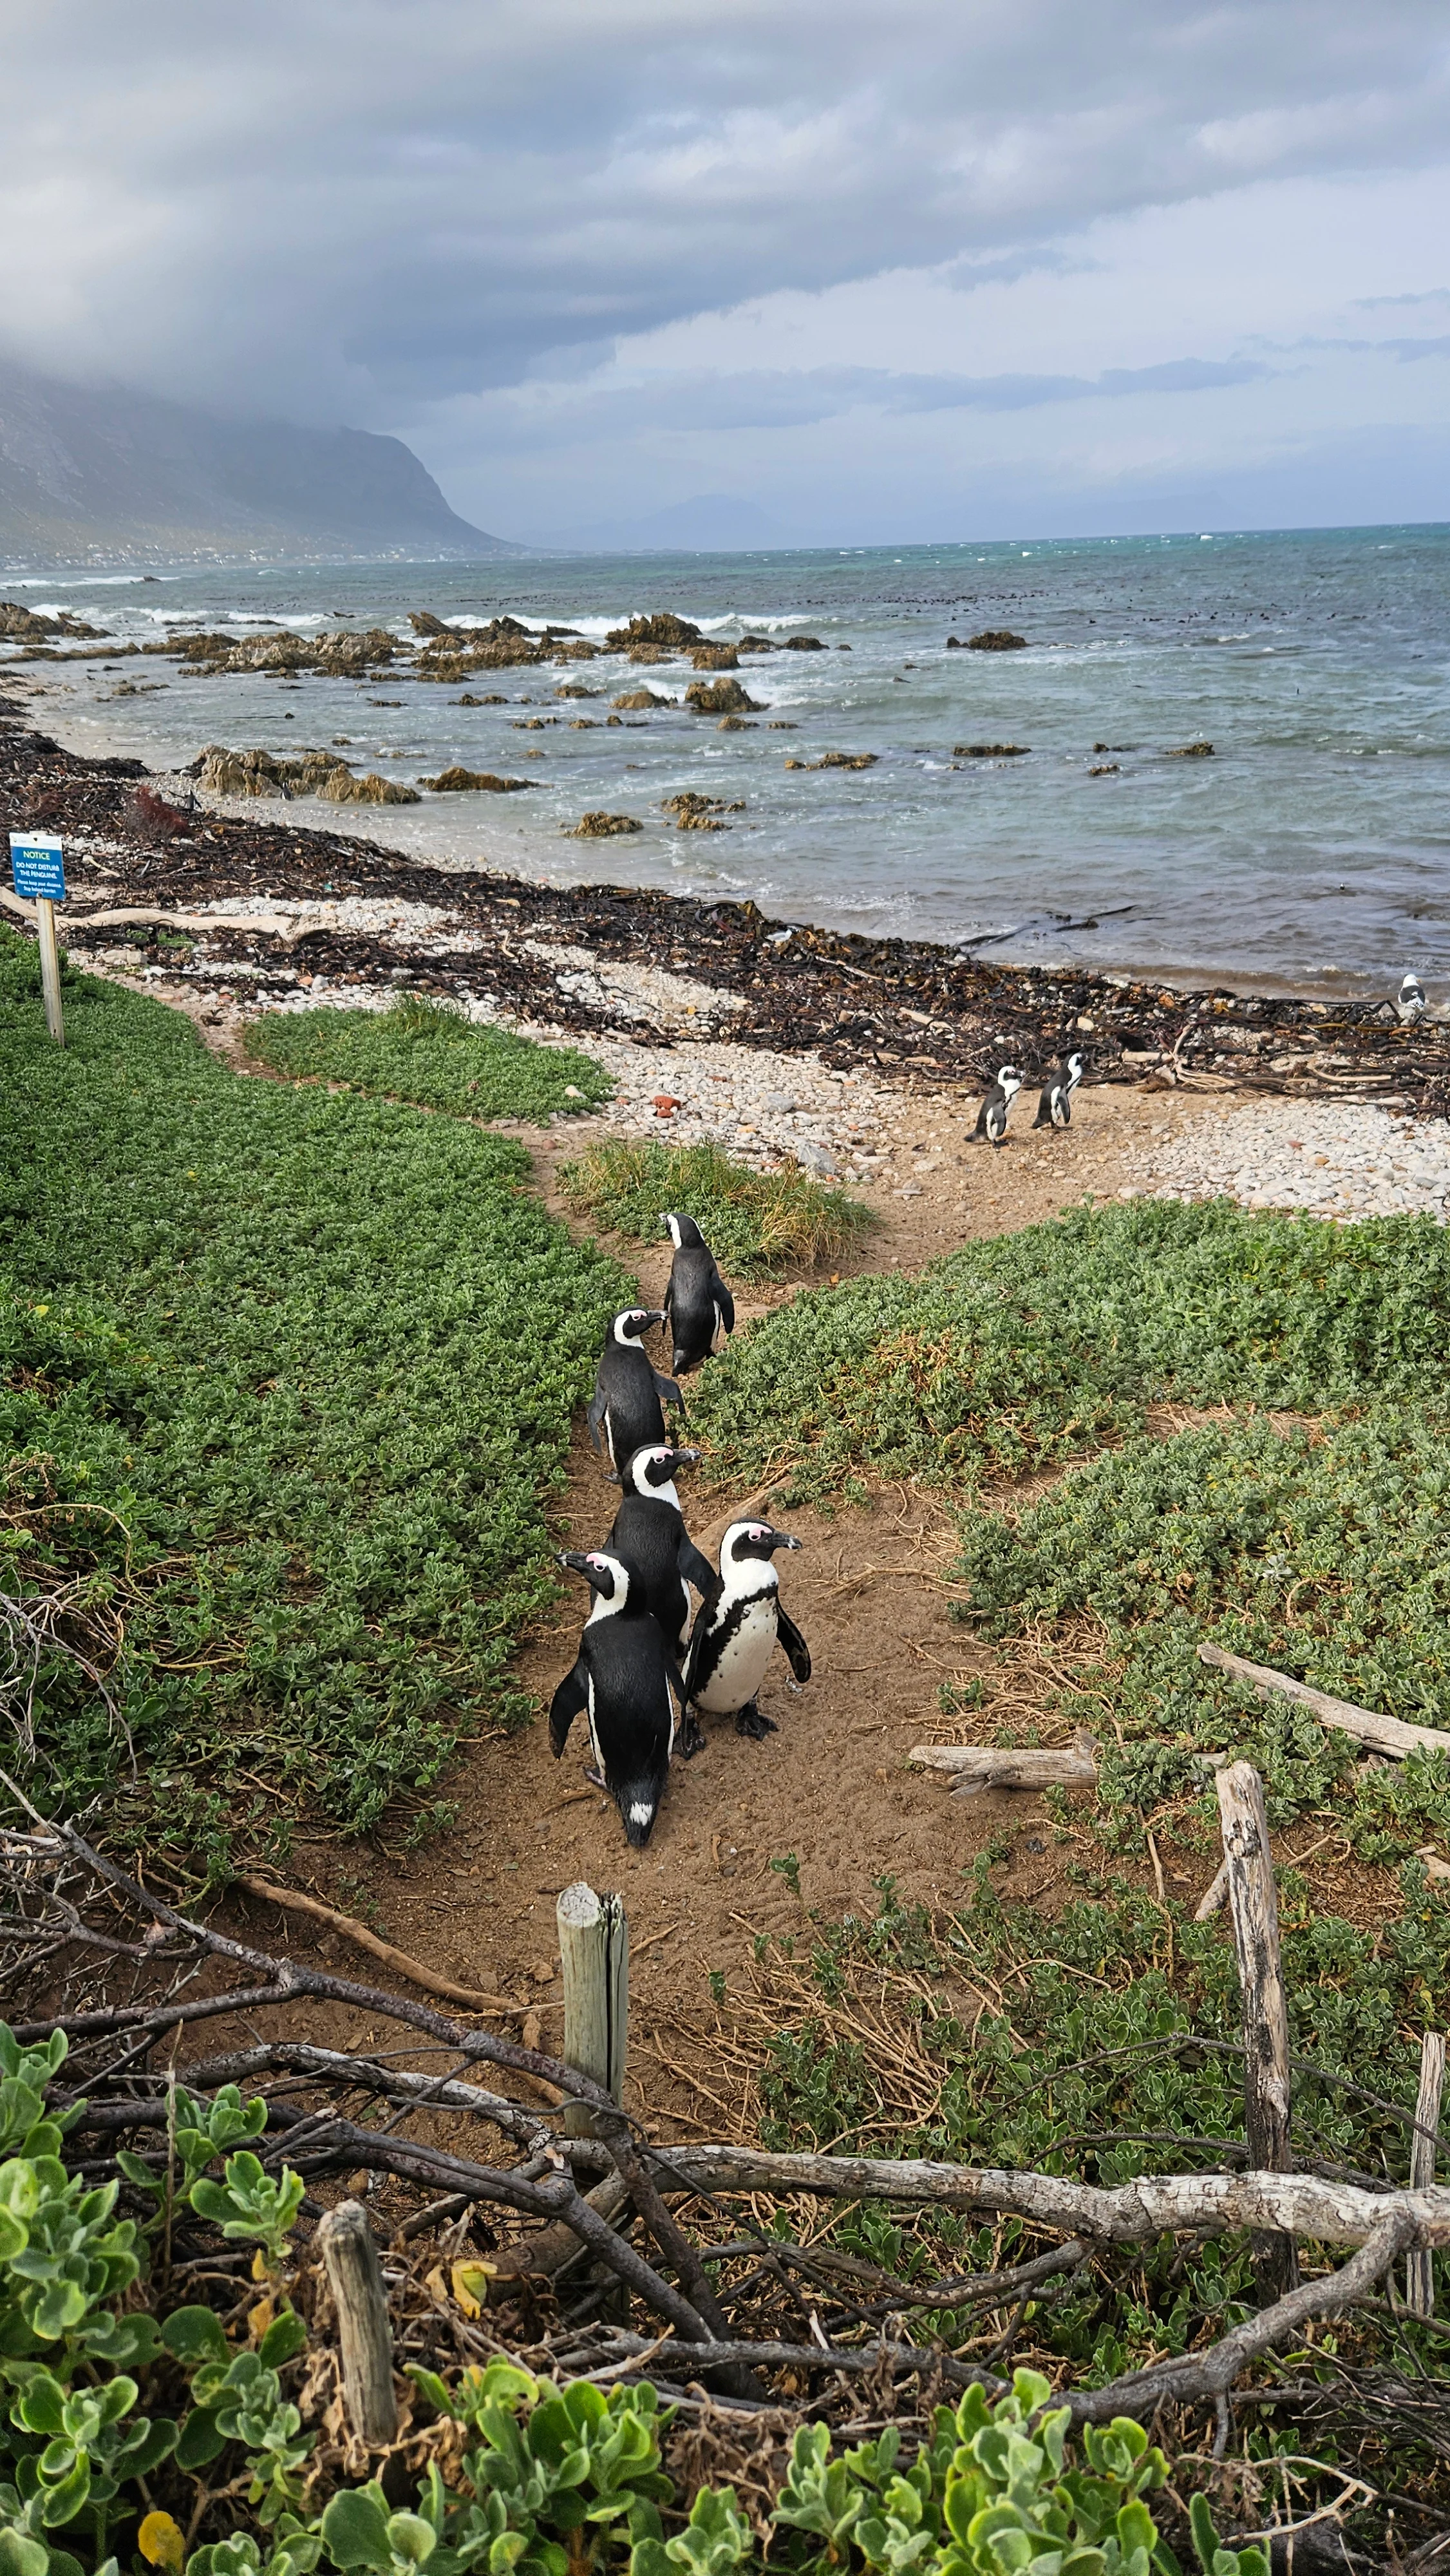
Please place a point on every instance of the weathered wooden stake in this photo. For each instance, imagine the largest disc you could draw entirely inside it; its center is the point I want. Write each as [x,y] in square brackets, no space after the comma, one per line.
[594,1949]
[49,968]
[1254,1905]
[354,2276]
[1420,2267]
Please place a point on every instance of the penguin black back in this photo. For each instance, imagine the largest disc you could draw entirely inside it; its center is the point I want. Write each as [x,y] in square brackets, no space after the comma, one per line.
[1054,1107]
[698,1303]
[649,1534]
[628,1392]
[627,1685]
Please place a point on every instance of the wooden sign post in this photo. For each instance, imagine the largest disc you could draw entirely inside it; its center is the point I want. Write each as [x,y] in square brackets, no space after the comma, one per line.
[594,1953]
[38,873]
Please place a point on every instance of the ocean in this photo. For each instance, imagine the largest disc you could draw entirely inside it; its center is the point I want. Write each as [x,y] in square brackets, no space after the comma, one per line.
[1310,853]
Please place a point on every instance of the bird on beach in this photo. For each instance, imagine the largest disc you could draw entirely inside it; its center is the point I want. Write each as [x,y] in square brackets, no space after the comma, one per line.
[992,1116]
[1054,1108]
[627,1685]
[628,1393]
[698,1303]
[649,1534]
[1410,1000]
[740,1623]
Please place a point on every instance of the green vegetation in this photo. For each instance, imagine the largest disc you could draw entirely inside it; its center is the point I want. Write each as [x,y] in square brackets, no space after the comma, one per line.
[1019,1353]
[427,1051]
[757,1224]
[285,1381]
[543,2479]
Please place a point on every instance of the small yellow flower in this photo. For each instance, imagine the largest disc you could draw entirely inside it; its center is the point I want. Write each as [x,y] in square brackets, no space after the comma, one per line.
[160,2539]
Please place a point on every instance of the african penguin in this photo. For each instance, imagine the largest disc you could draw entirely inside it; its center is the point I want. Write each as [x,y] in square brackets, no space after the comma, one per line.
[1410,999]
[1054,1109]
[649,1533]
[740,1621]
[627,1391]
[992,1116]
[627,1684]
[697,1301]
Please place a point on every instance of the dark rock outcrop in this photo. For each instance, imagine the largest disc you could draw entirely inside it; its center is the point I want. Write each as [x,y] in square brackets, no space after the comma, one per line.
[996,639]
[602,827]
[720,698]
[459,782]
[664,627]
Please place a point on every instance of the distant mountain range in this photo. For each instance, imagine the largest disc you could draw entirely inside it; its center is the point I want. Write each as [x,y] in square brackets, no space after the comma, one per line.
[88,475]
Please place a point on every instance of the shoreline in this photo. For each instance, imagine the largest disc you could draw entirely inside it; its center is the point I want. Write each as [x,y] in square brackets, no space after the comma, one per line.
[268,911]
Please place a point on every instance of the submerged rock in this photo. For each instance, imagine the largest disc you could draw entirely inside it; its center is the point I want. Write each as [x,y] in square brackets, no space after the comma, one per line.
[458,782]
[720,698]
[804,644]
[602,827]
[696,813]
[1192,751]
[634,699]
[838,760]
[997,750]
[736,724]
[996,639]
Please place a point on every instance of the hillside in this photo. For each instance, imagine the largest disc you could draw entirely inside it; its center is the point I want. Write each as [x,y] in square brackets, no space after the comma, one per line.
[119,474]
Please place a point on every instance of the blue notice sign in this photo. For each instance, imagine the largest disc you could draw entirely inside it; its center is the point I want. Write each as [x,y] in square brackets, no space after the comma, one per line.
[36,867]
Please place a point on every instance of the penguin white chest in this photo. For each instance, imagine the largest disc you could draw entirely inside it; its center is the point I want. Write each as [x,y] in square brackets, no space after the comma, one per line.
[743,1656]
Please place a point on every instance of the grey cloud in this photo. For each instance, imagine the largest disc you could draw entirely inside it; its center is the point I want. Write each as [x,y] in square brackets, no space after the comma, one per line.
[357,207]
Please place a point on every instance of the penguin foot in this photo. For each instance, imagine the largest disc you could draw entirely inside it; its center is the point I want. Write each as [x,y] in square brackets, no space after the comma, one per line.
[597,1781]
[751,1722]
[692,1738]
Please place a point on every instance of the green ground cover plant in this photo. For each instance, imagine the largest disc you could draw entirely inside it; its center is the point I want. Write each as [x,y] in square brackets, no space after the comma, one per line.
[285,1381]
[137,2428]
[757,1224]
[427,1051]
[1024,1351]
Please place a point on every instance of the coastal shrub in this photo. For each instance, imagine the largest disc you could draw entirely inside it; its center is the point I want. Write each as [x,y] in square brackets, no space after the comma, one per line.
[286,1378]
[1029,1348]
[426,1051]
[757,1224]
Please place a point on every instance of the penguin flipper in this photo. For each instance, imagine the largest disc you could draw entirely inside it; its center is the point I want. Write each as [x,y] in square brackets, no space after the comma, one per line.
[1044,1111]
[726,1304]
[797,1652]
[667,1391]
[695,1568]
[569,1701]
[595,1416]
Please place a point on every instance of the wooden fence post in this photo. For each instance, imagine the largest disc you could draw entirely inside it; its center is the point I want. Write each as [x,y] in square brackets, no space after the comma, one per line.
[359,2294]
[594,1949]
[1254,1905]
[1420,2266]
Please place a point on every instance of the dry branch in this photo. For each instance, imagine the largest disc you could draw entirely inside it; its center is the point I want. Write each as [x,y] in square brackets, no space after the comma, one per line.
[1420,2271]
[1383,1734]
[986,1766]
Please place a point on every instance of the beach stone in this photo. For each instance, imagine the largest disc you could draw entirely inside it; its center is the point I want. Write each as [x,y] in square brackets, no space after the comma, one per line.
[814,1158]
[602,827]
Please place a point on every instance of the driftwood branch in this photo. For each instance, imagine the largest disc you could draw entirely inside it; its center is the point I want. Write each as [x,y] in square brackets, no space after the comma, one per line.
[1420,2269]
[986,1766]
[1390,1735]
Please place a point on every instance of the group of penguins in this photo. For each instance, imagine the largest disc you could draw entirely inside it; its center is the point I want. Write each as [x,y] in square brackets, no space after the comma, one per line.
[645,1670]
[1054,1107]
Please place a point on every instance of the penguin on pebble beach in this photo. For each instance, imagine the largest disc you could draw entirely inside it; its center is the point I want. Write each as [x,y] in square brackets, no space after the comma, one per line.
[628,1392]
[698,1303]
[740,1623]
[1410,1001]
[627,1685]
[992,1116]
[649,1533]
[1054,1109]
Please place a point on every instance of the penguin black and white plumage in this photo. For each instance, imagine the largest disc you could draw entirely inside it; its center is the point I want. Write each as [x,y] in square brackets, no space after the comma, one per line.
[740,1623]
[649,1533]
[627,1685]
[628,1393]
[1410,1001]
[698,1303]
[1054,1108]
[992,1116]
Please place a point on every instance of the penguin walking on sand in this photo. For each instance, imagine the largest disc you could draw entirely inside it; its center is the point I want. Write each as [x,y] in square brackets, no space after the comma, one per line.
[1054,1108]
[627,1685]
[740,1623]
[1410,1001]
[698,1303]
[628,1393]
[992,1116]
[649,1533]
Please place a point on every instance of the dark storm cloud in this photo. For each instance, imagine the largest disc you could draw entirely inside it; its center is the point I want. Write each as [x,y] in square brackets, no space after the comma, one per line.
[363,207]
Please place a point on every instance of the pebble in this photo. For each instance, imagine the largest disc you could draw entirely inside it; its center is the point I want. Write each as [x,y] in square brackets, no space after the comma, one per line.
[1333,1158]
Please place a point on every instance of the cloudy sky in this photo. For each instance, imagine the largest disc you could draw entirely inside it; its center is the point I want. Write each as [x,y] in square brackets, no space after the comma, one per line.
[850,274]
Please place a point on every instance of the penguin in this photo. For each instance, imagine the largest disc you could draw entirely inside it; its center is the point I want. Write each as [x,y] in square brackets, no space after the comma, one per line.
[992,1116]
[739,1623]
[628,1392]
[649,1534]
[1054,1109]
[697,1301]
[628,1686]
[1410,999]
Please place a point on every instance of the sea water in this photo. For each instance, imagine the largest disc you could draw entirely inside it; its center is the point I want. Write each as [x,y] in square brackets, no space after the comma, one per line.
[1311,851]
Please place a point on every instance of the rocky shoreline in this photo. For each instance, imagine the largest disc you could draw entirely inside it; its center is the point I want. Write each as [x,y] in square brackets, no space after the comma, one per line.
[267,912]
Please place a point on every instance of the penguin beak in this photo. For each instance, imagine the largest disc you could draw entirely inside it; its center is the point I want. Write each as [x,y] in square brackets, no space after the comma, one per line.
[783,1538]
[656,1314]
[575,1563]
[684,1457]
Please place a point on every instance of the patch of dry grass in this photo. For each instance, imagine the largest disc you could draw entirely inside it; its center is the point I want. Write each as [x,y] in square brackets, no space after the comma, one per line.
[757,1224]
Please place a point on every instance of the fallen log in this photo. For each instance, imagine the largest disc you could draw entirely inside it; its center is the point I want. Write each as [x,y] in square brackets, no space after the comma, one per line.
[1390,1735]
[985,1766]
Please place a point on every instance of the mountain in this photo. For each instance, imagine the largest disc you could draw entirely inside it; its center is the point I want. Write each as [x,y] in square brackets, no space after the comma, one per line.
[714,523]
[104,473]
